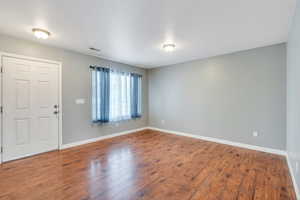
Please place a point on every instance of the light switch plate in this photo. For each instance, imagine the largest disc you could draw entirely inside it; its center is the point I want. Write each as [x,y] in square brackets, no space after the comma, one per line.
[80,101]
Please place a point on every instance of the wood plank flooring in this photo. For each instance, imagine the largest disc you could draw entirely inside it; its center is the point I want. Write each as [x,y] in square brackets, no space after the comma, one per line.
[148,165]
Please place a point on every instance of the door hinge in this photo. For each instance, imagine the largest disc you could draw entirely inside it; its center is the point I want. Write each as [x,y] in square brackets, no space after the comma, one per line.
[1,150]
[1,69]
[1,109]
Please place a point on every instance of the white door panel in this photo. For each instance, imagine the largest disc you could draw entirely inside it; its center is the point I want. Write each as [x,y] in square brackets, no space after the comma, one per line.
[30,92]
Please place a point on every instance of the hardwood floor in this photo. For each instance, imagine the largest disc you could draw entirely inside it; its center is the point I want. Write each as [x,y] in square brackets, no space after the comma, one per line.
[148,165]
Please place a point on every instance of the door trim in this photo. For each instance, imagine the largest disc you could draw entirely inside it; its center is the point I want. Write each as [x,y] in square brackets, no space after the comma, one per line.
[4,54]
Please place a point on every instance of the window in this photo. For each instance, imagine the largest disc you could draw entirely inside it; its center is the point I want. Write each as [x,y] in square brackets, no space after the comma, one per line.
[116,95]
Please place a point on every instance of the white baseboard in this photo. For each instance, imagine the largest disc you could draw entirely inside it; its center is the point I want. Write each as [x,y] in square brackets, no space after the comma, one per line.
[211,139]
[293,176]
[74,144]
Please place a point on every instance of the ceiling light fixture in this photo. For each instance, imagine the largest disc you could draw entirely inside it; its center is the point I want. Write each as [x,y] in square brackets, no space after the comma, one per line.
[169,47]
[40,33]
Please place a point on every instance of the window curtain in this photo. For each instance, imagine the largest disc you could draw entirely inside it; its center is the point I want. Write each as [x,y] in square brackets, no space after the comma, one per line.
[136,95]
[116,95]
[100,94]
[119,96]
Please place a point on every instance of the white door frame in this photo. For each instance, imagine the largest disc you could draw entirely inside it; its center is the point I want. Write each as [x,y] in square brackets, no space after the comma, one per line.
[3,54]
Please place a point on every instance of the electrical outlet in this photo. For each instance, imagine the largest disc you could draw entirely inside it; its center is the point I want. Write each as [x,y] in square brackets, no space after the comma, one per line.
[162,121]
[255,133]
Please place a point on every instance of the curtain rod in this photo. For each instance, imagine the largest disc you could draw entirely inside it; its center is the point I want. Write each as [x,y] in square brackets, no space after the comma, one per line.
[95,66]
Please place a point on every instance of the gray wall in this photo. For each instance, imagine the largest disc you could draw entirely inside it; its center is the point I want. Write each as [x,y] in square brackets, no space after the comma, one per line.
[293,94]
[226,97]
[76,84]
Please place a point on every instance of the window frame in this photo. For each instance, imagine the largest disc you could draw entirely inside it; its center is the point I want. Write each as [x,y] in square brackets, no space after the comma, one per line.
[95,102]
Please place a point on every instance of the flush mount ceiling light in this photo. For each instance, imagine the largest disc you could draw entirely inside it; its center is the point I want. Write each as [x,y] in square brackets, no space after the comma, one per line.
[169,47]
[40,33]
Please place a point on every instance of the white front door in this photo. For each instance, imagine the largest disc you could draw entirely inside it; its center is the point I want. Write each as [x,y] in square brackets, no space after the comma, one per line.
[30,101]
